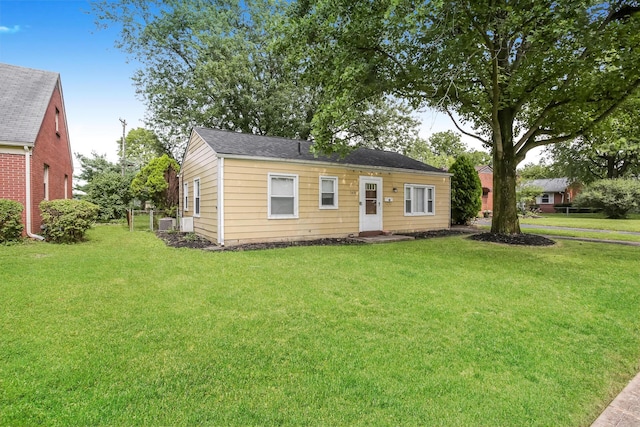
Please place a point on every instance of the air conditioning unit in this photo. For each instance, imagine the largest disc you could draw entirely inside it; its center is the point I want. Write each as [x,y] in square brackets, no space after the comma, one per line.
[187,224]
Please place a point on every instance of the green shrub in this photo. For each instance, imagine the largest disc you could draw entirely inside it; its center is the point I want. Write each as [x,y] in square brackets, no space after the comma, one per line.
[110,191]
[616,197]
[10,221]
[466,191]
[66,221]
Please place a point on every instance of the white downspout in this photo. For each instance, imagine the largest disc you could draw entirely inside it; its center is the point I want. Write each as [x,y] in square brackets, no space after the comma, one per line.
[27,171]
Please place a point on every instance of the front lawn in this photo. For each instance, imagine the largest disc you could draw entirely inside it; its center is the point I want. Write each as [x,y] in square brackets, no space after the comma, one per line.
[595,221]
[121,330]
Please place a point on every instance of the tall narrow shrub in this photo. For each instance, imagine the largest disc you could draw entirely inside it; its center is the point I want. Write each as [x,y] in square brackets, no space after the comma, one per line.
[10,220]
[466,191]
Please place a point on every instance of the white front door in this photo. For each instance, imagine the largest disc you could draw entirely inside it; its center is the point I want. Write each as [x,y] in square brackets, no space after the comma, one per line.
[370,203]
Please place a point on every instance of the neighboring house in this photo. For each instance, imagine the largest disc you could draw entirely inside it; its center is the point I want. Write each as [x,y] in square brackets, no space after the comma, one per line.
[240,188]
[35,155]
[555,191]
[486,180]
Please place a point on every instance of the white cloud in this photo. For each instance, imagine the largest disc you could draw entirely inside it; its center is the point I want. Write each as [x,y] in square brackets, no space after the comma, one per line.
[9,30]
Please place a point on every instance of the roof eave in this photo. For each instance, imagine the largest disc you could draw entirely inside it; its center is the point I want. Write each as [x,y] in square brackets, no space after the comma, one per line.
[18,143]
[325,163]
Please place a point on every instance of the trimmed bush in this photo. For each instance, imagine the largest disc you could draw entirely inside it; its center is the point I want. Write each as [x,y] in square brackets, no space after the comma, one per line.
[10,221]
[66,221]
[466,191]
[616,197]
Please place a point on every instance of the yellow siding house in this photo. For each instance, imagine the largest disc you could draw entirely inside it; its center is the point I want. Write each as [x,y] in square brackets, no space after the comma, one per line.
[240,188]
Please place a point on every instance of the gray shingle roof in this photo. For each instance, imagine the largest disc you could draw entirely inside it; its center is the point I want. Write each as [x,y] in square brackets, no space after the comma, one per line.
[242,144]
[551,185]
[24,96]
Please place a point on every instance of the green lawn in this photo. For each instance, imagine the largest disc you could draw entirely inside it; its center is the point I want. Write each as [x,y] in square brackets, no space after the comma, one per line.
[121,330]
[596,221]
[609,235]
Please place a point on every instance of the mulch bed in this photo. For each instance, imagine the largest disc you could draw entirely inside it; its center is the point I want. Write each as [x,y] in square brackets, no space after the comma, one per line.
[190,240]
[523,239]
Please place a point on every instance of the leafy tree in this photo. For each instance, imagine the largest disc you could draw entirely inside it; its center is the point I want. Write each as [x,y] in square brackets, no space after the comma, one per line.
[522,73]
[158,182]
[616,197]
[526,196]
[536,171]
[215,64]
[91,166]
[141,145]
[480,158]
[111,192]
[466,191]
[447,143]
[610,150]
[442,149]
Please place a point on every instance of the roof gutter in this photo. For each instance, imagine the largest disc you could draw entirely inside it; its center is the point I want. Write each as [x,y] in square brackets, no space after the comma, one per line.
[28,201]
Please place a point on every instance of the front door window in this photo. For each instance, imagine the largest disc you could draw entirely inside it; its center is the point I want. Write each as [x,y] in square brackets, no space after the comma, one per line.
[371,198]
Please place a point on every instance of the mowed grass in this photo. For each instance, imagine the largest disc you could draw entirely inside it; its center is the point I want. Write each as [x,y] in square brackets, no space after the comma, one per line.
[607,235]
[594,221]
[121,330]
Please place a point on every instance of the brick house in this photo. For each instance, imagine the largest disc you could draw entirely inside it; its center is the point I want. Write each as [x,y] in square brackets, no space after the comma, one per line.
[555,191]
[35,155]
[486,180]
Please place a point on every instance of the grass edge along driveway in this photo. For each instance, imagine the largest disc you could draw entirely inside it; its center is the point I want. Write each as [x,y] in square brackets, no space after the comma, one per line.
[123,330]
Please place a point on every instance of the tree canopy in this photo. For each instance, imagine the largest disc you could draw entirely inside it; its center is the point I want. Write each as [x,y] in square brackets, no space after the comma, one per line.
[158,182]
[608,151]
[141,146]
[218,64]
[443,148]
[521,73]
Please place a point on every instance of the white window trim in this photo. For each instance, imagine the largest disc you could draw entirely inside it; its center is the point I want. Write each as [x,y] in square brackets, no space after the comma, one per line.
[426,200]
[197,207]
[45,179]
[295,195]
[335,192]
[185,196]
[551,198]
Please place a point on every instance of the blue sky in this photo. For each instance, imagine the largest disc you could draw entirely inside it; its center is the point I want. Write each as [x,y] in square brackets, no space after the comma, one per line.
[61,36]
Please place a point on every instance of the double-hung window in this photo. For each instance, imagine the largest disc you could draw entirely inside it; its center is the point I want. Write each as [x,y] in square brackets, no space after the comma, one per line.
[283,196]
[328,192]
[185,194]
[196,197]
[419,199]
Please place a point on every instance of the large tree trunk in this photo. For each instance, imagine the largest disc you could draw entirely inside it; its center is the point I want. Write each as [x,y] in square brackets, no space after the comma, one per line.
[505,213]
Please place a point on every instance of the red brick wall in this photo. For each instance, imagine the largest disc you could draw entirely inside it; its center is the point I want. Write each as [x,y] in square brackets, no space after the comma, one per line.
[51,149]
[486,179]
[12,179]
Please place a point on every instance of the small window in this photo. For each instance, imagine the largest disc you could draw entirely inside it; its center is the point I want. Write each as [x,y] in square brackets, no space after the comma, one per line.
[46,182]
[196,197]
[66,186]
[283,196]
[418,199]
[328,192]
[57,122]
[545,198]
[185,193]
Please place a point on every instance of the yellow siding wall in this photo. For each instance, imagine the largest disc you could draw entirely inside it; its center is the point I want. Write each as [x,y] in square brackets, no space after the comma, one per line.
[201,162]
[246,202]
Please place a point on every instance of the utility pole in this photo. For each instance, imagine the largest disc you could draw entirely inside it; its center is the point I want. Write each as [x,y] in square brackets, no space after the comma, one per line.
[124,157]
